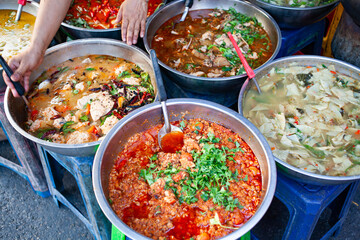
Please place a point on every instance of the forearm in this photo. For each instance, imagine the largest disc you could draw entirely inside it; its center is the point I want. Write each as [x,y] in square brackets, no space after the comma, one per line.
[48,20]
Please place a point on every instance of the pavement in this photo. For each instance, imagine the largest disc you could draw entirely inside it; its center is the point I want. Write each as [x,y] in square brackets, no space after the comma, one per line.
[25,215]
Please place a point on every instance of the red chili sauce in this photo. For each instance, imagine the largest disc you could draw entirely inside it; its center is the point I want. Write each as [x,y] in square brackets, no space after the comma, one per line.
[99,14]
[205,190]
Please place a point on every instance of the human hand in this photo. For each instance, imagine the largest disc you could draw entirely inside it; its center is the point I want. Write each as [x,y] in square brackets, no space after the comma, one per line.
[133,14]
[22,65]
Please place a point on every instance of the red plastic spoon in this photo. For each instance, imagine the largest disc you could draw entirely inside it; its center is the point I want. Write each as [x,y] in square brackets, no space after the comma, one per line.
[248,70]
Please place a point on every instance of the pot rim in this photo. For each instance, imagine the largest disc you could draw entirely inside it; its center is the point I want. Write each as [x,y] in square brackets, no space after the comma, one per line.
[117,222]
[289,59]
[260,10]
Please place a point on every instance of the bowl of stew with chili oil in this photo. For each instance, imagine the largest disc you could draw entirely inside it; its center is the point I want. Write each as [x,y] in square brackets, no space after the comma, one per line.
[198,55]
[217,185]
[96,19]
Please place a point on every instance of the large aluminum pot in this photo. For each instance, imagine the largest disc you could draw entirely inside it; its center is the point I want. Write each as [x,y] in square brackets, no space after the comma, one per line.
[79,32]
[296,17]
[289,170]
[30,7]
[15,107]
[352,7]
[205,85]
[150,115]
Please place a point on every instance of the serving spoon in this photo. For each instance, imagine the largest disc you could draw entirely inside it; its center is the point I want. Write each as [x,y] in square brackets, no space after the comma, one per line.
[170,137]
[19,11]
[248,70]
[188,5]
[19,88]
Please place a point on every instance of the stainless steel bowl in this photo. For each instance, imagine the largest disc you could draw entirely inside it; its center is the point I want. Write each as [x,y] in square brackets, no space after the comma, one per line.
[289,170]
[205,85]
[352,7]
[30,7]
[295,17]
[79,32]
[150,115]
[15,107]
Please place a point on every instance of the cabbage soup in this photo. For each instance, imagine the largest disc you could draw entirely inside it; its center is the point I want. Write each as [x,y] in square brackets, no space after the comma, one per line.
[313,122]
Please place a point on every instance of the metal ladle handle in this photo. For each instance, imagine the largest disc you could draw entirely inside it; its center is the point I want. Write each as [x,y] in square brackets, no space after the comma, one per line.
[161,89]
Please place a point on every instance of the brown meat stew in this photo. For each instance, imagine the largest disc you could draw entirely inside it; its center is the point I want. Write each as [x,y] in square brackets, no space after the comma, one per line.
[200,46]
[208,189]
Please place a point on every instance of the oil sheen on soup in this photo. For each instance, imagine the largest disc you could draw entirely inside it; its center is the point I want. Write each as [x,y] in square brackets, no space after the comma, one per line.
[310,117]
[81,99]
[200,46]
[205,190]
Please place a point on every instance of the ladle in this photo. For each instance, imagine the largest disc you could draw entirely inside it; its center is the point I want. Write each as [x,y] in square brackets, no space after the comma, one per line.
[19,88]
[170,137]
[19,11]
[188,5]
[248,70]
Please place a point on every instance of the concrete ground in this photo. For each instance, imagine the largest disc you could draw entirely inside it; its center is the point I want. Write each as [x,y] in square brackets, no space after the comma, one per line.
[25,215]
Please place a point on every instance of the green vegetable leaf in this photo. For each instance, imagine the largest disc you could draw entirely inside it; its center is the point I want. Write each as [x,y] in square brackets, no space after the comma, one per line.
[66,127]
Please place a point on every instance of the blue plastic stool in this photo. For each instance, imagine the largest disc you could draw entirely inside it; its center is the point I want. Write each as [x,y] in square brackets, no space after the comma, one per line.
[80,168]
[305,204]
[30,166]
[295,40]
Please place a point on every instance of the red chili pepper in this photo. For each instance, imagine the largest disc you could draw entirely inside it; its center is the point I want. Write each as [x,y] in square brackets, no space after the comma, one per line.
[34,114]
[333,72]
[357,132]
[116,114]
[142,98]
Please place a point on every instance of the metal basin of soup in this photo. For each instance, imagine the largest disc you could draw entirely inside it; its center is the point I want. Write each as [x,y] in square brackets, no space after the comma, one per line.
[290,17]
[197,54]
[308,111]
[94,19]
[14,37]
[195,114]
[71,86]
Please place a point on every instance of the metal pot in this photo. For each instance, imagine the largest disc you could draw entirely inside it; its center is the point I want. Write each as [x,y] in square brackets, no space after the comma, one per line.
[15,107]
[352,7]
[79,32]
[205,85]
[295,17]
[289,170]
[30,7]
[151,115]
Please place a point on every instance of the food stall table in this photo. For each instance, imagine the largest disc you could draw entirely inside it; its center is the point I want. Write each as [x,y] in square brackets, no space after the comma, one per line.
[80,168]
[30,167]
[306,203]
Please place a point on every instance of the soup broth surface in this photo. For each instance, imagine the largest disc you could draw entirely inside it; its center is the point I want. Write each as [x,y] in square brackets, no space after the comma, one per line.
[81,99]
[310,117]
[14,36]
[200,46]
